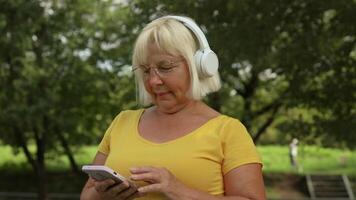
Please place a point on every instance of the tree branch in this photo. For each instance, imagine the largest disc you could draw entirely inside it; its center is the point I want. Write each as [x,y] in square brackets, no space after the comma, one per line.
[265,109]
[267,123]
[22,142]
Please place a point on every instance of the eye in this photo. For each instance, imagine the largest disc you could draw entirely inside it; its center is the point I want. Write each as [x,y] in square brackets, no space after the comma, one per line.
[165,68]
[145,70]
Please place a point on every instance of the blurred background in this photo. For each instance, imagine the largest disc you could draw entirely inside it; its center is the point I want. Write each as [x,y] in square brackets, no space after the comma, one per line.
[288,69]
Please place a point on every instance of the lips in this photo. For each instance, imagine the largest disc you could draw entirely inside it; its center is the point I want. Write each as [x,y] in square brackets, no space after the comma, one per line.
[161,93]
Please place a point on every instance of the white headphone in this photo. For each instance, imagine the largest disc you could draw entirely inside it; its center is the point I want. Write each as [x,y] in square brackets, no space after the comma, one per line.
[205,59]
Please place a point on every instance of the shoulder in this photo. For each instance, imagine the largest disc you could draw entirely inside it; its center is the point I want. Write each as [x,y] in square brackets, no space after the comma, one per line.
[230,123]
[231,128]
[225,122]
[128,114]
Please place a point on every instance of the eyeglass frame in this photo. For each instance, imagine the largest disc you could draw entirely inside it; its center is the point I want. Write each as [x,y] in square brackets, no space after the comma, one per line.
[169,66]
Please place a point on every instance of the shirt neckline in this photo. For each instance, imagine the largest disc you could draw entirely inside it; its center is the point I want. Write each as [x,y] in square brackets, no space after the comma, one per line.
[190,134]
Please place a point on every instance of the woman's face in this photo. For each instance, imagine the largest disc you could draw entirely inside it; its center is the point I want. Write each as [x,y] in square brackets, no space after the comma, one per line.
[166,79]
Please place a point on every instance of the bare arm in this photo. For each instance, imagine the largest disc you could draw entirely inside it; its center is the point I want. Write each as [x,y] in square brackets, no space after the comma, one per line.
[242,183]
[245,181]
[89,192]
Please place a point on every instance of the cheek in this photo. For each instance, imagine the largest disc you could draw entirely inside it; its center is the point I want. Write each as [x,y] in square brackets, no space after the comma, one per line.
[187,81]
[147,87]
[181,86]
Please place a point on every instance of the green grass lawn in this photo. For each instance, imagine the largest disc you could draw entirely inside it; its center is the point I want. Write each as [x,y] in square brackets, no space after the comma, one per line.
[17,161]
[277,169]
[312,159]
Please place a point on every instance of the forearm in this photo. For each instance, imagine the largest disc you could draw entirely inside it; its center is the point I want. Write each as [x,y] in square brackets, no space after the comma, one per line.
[196,195]
[186,193]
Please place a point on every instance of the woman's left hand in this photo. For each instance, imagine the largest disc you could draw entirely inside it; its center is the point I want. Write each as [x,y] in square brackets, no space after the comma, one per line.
[160,179]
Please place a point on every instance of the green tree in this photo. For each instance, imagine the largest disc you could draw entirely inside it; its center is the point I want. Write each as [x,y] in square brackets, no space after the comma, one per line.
[58,77]
[320,55]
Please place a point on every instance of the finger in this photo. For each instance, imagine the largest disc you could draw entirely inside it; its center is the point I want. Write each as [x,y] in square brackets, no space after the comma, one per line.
[144,169]
[102,186]
[126,193]
[150,188]
[151,177]
[118,188]
[137,194]
[132,184]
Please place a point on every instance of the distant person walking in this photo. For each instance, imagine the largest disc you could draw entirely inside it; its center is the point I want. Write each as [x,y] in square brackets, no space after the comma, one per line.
[293,153]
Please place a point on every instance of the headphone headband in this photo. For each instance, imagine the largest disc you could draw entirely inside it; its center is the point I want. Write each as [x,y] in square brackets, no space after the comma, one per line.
[206,60]
[203,42]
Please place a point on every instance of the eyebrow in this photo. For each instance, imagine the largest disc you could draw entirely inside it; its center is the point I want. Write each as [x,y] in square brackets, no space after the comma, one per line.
[172,59]
[158,63]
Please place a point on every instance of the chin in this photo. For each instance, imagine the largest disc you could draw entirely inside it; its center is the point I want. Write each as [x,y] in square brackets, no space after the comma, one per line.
[165,104]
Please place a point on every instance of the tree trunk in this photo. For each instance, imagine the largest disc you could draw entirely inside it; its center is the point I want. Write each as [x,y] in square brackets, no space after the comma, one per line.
[22,143]
[248,93]
[68,152]
[215,102]
[41,168]
[246,119]
[38,164]
[42,182]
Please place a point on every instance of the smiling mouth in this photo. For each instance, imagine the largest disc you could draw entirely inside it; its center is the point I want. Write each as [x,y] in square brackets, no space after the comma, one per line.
[162,94]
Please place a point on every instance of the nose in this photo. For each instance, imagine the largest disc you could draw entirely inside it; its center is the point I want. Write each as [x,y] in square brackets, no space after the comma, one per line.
[153,78]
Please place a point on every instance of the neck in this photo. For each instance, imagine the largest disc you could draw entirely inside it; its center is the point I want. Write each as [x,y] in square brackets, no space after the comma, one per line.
[188,107]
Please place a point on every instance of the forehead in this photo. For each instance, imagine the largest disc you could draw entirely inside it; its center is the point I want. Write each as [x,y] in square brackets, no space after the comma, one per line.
[156,39]
[156,54]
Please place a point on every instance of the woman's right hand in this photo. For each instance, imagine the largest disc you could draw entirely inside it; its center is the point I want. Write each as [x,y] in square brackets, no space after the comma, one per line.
[109,190]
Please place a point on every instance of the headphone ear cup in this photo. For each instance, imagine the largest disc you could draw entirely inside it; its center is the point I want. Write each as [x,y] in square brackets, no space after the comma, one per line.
[198,56]
[207,62]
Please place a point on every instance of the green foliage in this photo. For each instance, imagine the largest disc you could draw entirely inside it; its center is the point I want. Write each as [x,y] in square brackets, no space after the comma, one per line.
[58,65]
[57,78]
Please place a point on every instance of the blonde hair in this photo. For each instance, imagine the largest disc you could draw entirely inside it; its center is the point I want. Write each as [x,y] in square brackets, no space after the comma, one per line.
[172,37]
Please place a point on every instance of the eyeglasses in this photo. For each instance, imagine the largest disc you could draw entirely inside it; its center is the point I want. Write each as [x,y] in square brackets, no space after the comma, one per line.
[163,69]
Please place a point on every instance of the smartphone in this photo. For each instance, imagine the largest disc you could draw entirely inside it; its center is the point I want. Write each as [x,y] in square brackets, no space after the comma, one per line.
[101,172]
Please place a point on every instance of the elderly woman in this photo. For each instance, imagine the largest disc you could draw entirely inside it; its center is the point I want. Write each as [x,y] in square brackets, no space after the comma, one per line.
[178,148]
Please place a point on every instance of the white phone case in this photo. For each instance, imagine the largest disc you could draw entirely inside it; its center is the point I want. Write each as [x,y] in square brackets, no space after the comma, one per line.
[101,172]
